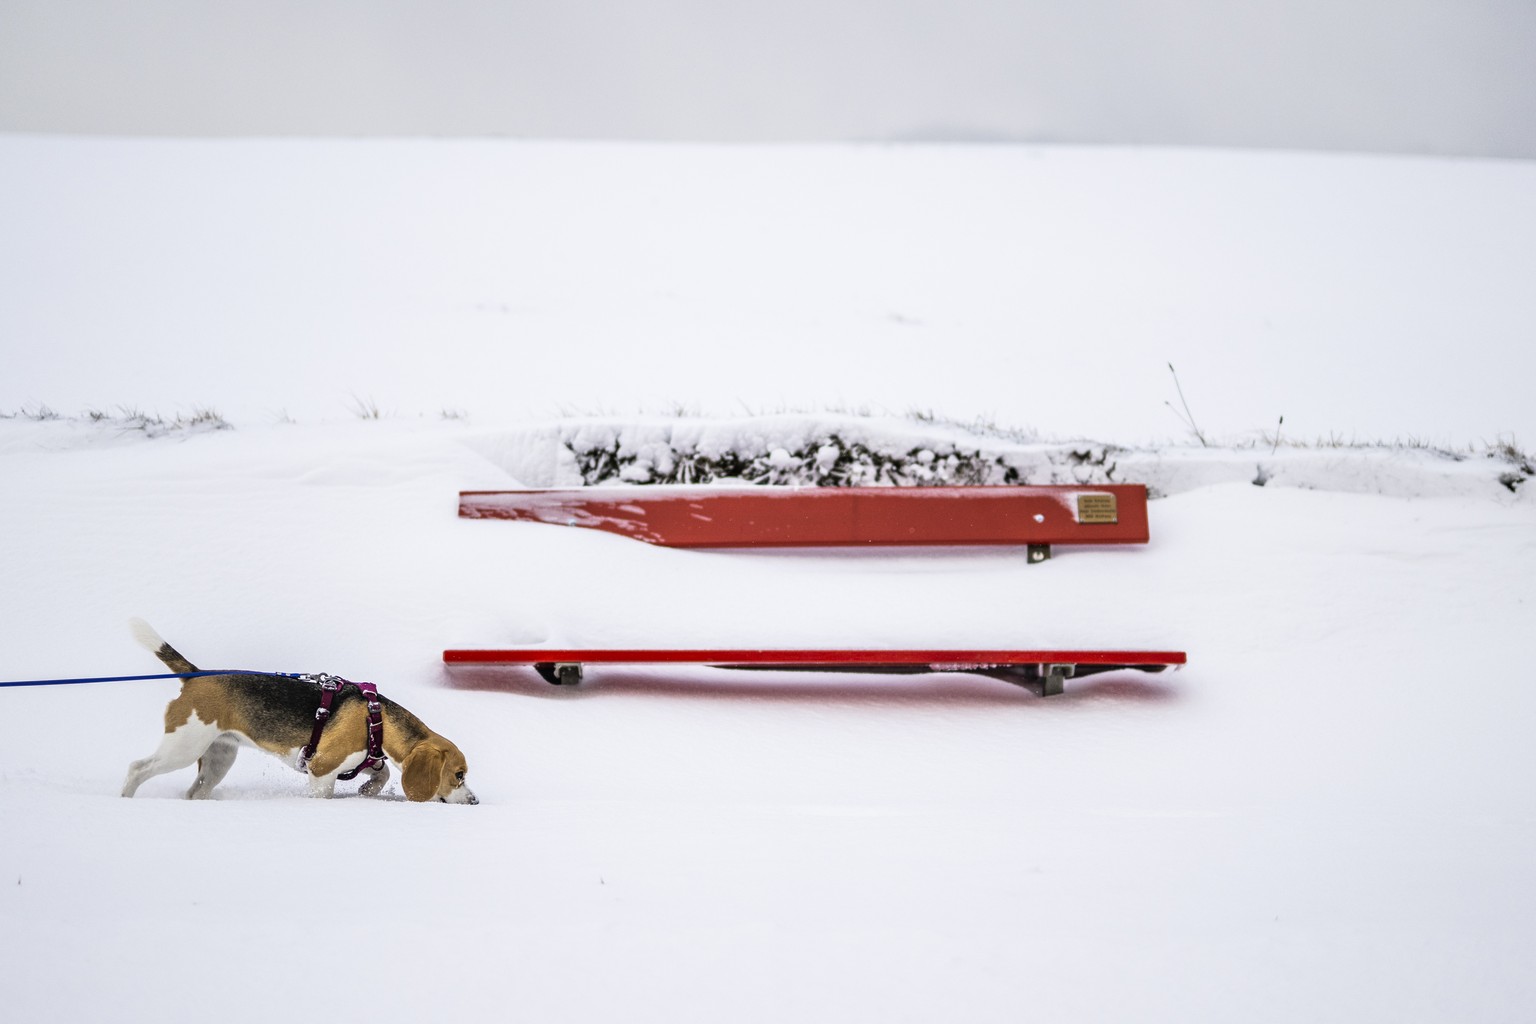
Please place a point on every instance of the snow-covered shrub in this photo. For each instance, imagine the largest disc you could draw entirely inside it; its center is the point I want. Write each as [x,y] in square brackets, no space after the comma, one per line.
[826,461]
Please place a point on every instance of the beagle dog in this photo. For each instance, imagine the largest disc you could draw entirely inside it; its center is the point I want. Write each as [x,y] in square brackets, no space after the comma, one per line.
[214,714]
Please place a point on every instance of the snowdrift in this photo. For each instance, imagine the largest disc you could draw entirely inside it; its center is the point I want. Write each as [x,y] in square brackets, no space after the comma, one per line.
[832,450]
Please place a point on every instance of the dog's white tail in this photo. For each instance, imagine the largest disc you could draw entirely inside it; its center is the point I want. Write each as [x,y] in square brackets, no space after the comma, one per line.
[155,644]
[145,634]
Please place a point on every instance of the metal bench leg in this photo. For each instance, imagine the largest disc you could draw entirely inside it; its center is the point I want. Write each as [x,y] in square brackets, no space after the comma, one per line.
[1043,680]
[564,674]
[1053,679]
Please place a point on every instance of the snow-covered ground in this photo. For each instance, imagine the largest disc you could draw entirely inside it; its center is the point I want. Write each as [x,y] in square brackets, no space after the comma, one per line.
[1359,297]
[1326,816]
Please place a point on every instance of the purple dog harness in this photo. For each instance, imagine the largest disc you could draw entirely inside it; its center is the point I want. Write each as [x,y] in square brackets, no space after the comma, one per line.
[330,686]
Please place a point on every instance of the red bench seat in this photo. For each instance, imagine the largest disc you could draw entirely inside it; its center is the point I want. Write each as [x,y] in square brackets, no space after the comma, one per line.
[1048,668]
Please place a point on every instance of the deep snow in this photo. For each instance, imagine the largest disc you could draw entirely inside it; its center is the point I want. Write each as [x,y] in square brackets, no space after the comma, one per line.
[1325,816]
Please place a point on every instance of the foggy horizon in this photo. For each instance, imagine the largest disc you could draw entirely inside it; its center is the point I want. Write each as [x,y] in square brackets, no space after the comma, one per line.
[1421,76]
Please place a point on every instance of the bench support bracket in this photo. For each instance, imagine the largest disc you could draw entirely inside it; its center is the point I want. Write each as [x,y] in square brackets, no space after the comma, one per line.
[563,673]
[1053,679]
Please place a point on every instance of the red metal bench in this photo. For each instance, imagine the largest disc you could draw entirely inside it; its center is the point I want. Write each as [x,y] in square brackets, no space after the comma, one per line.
[1045,670]
[722,517]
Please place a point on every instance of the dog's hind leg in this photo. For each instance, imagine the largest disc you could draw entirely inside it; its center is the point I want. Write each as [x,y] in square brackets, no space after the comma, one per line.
[180,747]
[214,765]
[376,781]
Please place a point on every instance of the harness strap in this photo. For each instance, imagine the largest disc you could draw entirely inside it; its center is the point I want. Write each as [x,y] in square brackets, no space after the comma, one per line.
[330,686]
[375,759]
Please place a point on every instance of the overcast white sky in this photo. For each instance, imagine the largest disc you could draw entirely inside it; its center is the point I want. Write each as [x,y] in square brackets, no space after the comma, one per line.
[1425,76]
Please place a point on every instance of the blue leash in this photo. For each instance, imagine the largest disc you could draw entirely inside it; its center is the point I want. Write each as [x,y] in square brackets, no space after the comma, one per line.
[163,675]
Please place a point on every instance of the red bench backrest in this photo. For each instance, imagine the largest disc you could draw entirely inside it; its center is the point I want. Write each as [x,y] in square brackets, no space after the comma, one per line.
[705,517]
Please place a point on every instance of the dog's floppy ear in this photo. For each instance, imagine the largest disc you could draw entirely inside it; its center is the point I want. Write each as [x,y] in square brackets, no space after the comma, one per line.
[422,772]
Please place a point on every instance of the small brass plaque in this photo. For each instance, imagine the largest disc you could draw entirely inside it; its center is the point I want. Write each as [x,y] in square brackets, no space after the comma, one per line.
[1097,508]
